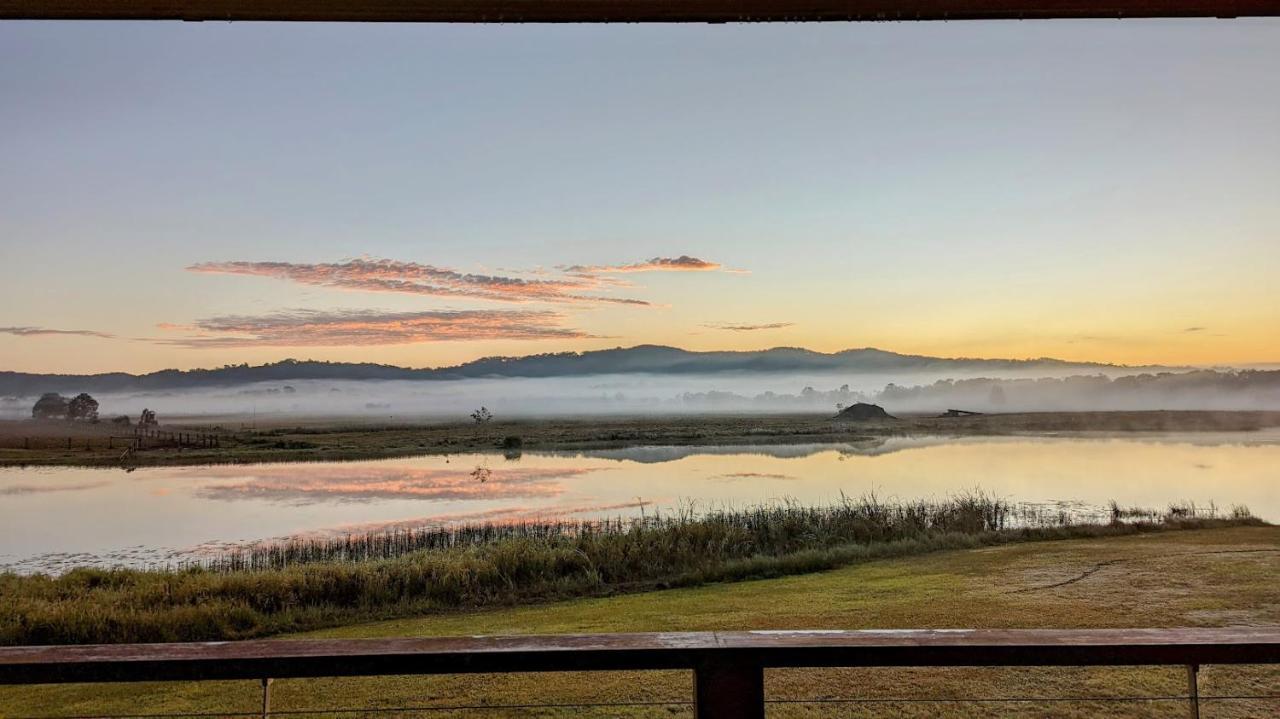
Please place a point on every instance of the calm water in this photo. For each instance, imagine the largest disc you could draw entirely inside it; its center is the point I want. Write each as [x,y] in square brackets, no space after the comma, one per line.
[54,518]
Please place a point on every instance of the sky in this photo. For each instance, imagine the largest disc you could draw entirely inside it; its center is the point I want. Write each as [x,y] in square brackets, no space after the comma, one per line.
[199,194]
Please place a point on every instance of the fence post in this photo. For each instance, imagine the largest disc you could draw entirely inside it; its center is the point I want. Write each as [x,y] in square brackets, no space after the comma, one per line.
[1193,689]
[728,689]
[266,698]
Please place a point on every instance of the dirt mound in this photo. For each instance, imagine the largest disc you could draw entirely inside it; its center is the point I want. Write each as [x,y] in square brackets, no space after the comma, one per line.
[861,412]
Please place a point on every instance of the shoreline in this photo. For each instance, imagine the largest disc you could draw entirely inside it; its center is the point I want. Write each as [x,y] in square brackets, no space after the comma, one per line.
[63,444]
[273,588]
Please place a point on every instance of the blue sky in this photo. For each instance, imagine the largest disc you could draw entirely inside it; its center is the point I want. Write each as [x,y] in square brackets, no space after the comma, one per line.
[1098,190]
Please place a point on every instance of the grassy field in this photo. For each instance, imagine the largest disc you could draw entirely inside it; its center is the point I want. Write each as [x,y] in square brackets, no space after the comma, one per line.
[1212,577]
[318,439]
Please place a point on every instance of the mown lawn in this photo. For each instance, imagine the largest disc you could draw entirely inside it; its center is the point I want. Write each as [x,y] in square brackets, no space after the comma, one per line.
[1191,578]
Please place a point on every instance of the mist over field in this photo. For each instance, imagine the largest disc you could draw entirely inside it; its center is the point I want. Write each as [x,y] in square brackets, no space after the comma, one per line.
[631,394]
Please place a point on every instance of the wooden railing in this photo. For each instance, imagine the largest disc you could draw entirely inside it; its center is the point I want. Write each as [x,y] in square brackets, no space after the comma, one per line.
[715,11]
[728,667]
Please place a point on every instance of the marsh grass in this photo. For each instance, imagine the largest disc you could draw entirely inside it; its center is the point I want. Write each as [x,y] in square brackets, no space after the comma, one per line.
[307,584]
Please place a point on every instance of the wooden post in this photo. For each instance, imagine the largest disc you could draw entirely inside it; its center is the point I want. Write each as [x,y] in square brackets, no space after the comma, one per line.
[1193,686]
[266,698]
[26,443]
[68,443]
[728,689]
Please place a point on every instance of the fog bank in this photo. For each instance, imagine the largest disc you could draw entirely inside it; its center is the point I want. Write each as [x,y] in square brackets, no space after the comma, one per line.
[711,393]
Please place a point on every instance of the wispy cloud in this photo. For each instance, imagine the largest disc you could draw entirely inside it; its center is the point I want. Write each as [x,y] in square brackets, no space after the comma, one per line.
[683,263]
[341,328]
[47,332]
[1195,329]
[381,275]
[749,328]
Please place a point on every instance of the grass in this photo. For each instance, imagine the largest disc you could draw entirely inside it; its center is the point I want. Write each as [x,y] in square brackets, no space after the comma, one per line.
[309,584]
[296,439]
[1211,577]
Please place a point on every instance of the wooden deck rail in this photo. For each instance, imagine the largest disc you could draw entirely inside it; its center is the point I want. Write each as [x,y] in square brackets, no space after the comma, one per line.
[715,11]
[728,666]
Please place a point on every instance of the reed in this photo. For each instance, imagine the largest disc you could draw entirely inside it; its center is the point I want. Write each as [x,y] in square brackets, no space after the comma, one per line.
[304,584]
[701,535]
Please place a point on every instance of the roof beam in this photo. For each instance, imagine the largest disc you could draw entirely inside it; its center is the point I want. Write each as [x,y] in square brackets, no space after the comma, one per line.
[559,11]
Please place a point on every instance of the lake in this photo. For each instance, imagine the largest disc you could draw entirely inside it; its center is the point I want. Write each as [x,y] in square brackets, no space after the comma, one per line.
[55,518]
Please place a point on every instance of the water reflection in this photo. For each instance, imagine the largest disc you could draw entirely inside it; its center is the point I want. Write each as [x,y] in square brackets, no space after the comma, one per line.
[55,518]
[16,489]
[292,484]
[736,476]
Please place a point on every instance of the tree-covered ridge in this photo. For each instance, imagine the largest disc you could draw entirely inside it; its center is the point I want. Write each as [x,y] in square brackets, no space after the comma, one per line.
[654,359]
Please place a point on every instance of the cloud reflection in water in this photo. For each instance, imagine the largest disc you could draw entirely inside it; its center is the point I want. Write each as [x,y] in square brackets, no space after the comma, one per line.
[347,483]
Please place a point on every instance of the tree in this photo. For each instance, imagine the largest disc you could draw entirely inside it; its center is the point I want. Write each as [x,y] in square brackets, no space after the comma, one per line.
[83,408]
[482,416]
[51,405]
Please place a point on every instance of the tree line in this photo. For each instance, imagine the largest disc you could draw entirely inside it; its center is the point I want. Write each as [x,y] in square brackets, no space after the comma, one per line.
[51,405]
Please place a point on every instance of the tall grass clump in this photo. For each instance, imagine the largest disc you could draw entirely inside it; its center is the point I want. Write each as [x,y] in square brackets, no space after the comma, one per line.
[310,583]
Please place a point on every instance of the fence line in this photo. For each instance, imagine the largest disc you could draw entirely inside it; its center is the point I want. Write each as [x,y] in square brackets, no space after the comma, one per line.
[728,667]
[139,438]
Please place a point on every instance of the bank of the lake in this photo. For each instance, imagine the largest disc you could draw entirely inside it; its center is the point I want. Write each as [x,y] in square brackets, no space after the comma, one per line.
[297,439]
[310,583]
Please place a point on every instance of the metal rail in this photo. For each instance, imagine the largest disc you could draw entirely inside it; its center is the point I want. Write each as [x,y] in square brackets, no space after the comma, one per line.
[728,666]
[713,11]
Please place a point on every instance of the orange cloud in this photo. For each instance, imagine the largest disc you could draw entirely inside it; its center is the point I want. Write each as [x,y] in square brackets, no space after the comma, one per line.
[339,328]
[750,328]
[683,263]
[379,275]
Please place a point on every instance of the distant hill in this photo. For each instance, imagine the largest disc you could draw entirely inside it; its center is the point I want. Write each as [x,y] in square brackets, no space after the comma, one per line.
[654,359]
